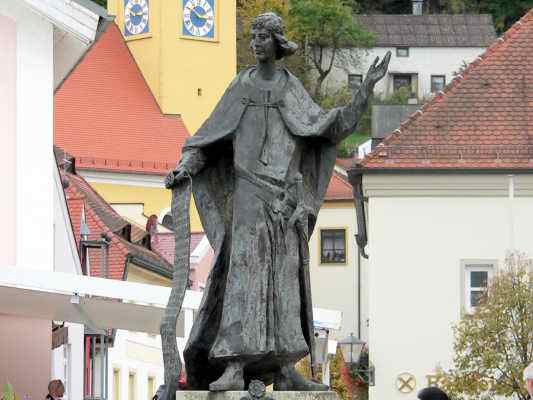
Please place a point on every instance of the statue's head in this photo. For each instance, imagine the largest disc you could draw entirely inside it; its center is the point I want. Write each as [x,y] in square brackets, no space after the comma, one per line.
[268,41]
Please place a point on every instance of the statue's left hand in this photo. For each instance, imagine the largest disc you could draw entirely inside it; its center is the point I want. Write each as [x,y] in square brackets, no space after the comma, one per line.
[377,71]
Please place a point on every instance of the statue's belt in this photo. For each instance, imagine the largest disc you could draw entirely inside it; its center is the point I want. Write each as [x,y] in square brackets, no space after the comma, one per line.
[279,199]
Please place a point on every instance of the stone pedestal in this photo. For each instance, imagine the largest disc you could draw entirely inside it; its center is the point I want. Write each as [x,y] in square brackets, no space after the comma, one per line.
[201,395]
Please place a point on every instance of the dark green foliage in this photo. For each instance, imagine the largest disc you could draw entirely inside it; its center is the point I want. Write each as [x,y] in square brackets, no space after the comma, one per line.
[504,12]
[103,3]
[325,26]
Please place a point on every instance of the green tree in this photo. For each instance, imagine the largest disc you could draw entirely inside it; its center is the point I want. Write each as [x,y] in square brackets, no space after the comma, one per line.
[504,12]
[325,27]
[247,10]
[494,345]
[103,3]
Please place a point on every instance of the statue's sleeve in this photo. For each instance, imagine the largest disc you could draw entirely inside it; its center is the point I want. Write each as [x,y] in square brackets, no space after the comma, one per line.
[193,160]
[349,116]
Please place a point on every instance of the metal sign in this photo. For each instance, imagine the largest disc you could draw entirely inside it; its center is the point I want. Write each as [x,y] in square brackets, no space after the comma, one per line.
[406,382]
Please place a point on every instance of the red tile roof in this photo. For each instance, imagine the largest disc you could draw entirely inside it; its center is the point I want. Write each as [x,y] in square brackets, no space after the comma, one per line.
[345,163]
[339,188]
[85,204]
[106,116]
[164,244]
[482,120]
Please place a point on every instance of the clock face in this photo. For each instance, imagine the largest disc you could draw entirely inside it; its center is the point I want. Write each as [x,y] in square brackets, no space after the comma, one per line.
[135,17]
[199,18]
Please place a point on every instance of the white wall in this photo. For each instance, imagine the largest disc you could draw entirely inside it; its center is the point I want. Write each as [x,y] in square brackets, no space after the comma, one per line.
[335,286]
[8,116]
[67,362]
[34,214]
[420,228]
[425,61]
[29,181]
[141,354]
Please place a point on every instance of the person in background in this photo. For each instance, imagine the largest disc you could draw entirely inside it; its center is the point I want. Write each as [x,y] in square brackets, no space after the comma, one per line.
[432,393]
[56,390]
[528,378]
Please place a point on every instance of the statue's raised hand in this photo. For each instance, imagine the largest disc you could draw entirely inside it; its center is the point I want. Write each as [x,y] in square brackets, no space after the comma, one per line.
[377,71]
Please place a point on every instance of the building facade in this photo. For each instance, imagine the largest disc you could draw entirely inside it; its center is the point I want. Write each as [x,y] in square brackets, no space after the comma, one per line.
[427,50]
[107,118]
[34,226]
[186,51]
[338,272]
[448,196]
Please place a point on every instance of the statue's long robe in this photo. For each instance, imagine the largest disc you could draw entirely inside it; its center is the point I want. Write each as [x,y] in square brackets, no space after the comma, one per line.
[253,308]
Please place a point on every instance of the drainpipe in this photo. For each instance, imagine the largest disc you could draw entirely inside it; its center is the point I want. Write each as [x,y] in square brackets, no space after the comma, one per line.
[361,238]
[356,179]
[358,292]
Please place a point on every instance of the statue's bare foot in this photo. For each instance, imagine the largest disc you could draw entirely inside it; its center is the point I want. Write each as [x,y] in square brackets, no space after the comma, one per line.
[288,379]
[231,379]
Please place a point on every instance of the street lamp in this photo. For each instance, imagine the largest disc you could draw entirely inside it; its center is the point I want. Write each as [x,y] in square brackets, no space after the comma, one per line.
[321,353]
[357,359]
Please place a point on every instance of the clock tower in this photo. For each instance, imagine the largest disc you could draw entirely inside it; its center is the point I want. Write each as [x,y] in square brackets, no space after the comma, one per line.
[186,50]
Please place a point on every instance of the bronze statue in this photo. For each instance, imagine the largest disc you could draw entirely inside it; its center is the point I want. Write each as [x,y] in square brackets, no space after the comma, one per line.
[260,167]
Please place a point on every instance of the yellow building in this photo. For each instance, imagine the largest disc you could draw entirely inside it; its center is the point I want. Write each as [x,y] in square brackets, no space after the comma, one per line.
[186,50]
[150,80]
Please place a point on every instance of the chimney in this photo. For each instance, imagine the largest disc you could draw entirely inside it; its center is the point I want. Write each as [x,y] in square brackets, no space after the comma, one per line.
[418,6]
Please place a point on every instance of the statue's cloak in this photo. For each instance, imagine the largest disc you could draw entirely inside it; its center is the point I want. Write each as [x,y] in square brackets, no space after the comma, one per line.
[213,192]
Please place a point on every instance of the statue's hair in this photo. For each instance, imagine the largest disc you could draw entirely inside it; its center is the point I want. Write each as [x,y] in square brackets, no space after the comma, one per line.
[274,24]
[528,372]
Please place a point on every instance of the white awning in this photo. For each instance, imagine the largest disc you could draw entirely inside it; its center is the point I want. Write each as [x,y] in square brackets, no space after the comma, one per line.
[96,302]
[101,303]
[327,319]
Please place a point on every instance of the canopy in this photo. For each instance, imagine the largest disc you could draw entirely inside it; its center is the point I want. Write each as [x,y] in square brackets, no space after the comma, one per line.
[96,302]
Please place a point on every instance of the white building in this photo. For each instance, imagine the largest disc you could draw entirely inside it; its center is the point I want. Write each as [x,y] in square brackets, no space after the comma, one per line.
[448,195]
[338,272]
[40,272]
[426,51]
[39,42]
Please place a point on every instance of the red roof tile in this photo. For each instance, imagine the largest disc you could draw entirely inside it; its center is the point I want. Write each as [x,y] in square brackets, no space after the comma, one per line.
[339,188]
[106,116]
[85,204]
[163,243]
[345,163]
[482,120]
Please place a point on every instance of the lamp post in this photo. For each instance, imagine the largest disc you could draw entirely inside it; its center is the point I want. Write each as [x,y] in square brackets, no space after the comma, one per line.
[321,353]
[357,359]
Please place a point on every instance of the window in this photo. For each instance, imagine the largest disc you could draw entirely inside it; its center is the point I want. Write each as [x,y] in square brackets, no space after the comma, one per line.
[437,83]
[402,51]
[116,384]
[354,81]
[168,222]
[333,246]
[476,282]
[400,81]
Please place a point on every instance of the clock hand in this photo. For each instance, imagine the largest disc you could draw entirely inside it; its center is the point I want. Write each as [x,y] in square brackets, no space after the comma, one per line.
[204,16]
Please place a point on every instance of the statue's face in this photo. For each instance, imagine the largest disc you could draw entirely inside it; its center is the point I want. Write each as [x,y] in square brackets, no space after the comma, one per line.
[263,45]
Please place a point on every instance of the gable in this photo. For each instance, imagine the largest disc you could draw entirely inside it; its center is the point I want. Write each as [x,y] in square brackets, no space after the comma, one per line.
[482,120]
[106,116]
